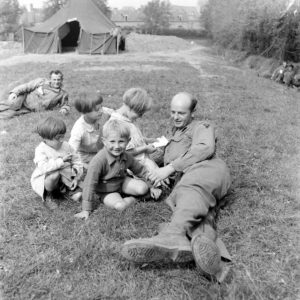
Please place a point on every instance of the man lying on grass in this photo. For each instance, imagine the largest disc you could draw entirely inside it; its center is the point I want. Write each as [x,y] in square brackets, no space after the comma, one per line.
[202,180]
[106,176]
[36,95]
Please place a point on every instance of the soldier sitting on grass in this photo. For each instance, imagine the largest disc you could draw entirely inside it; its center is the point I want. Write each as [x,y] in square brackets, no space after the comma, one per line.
[106,176]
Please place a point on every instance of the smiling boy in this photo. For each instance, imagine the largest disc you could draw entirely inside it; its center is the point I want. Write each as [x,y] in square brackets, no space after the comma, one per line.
[107,177]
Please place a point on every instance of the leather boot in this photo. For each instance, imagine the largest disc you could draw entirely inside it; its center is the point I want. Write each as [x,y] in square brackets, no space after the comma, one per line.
[166,247]
[205,251]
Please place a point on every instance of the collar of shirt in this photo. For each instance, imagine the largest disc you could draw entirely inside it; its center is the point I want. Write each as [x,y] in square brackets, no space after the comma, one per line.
[89,127]
[47,86]
[111,159]
[183,129]
[118,116]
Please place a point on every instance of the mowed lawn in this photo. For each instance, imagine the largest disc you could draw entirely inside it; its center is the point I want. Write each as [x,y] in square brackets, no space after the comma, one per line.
[52,255]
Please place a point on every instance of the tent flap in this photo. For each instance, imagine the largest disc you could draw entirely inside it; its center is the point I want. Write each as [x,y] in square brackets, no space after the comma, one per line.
[41,43]
[97,44]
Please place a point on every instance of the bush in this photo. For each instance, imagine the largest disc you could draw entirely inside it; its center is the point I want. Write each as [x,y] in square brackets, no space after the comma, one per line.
[258,27]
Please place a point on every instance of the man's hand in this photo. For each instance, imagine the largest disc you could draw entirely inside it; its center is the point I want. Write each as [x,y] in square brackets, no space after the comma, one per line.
[157,176]
[12,97]
[83,215]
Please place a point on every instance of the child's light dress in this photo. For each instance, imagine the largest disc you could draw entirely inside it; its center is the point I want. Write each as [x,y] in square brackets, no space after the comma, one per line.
[49,160]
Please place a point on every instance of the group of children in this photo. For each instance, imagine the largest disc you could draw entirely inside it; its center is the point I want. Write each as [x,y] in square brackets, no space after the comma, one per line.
[106,157]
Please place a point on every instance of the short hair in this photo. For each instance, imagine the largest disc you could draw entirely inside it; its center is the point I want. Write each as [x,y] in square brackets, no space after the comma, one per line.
[116,126]
[57,72]
[138,100]
[51,127]
[85,104]
[193,100]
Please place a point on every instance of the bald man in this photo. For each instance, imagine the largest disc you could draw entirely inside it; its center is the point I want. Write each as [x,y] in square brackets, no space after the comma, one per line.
[202,180]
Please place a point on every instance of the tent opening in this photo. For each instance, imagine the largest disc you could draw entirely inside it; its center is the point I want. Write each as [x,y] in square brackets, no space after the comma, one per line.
[70,41]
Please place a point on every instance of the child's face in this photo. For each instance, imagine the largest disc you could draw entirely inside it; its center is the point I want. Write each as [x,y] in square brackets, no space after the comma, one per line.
[56,142]
[115,144]
[95,114]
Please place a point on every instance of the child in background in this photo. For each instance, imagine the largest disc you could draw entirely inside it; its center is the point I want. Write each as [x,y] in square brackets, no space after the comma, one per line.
[87,131]
[106,175]
[58,168]
[136,102]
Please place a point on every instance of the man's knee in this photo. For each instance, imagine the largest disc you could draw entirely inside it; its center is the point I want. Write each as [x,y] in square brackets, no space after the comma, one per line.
[15,102]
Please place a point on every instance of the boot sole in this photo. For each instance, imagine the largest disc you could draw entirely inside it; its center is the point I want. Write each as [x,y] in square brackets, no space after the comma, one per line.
[206,255]
[143,252]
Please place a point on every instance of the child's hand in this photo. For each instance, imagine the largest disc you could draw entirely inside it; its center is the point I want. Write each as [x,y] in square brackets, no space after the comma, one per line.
[74,184]
[150,149]
[67,158]
[151,140]
[83,215]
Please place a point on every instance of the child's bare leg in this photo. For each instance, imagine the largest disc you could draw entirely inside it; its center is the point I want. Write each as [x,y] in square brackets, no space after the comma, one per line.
[51,181]
[114,200]
[77,197]
[129,200]
[134,187]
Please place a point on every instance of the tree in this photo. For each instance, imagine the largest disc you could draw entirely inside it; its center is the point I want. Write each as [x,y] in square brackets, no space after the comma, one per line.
[52,6]
[102,4]
[156,15]
[9,15]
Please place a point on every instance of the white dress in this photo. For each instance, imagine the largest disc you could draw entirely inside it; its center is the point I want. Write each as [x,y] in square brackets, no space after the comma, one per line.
[48,160]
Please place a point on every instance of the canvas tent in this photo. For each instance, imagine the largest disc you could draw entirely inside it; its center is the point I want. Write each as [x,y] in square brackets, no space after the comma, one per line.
[79,24]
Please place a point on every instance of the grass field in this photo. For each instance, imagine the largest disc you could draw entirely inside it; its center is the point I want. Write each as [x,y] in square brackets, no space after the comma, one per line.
[47,255]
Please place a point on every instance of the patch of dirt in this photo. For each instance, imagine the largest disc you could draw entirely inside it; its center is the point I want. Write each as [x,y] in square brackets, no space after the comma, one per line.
[7,49]
[137,45]
[137,68]
[152,43]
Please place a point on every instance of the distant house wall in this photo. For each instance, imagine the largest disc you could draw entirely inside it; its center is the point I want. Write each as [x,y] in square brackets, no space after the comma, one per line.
[184,17]
[194,25]
[135,24]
